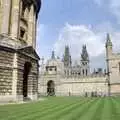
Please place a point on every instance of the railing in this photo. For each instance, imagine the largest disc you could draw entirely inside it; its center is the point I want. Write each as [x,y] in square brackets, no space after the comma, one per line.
[84,94]
[79,76]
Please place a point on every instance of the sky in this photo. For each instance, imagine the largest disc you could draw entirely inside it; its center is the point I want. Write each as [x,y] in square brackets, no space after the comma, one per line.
[78,22]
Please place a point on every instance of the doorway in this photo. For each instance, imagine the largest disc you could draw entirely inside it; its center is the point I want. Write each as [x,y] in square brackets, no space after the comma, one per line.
[27,68]
[50,88]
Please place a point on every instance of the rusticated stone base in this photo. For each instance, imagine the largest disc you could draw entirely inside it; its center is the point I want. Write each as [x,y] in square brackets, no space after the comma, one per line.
[7,98]
[13,73]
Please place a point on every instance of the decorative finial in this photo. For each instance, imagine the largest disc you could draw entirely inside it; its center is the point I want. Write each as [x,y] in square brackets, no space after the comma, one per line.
[53,55]
[84,55]
[108,37]
[108,41]
[58,57]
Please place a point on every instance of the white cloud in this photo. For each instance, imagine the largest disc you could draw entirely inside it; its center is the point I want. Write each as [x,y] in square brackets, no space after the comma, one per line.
[77,35]
[113,6]
[99,2]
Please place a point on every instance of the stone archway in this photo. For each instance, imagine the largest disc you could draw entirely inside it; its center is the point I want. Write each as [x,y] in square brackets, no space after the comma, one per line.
[27,68]
[50,88]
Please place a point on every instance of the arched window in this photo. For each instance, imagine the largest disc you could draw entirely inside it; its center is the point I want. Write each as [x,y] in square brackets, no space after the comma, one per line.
[79,73]
[24,10]
[83,72]
[22,33]
[65,72]
[86,72]
[119,67]
[26,13]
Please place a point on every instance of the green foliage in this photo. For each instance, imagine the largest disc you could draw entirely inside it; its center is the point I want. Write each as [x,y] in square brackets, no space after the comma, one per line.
[64,108]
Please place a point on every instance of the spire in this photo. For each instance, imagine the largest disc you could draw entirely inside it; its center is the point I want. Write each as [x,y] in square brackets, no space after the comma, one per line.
[53,55]
[108,37]
[108,40]
[67,57]
[58,57]
[66,50]
[84,55]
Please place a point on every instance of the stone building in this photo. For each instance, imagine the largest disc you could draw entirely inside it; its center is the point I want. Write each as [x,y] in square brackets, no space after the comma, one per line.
[18,58]
[113,68]
[61,78]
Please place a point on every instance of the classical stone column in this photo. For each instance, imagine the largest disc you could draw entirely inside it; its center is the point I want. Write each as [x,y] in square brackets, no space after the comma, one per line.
[34,31]
[30,85]
[15,18]
[30,26]
[5,21]
[14,77]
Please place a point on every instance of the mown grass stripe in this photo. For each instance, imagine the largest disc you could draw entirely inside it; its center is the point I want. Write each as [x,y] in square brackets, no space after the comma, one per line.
[87,115]
[107,110]
[117,105]
[98,111]
[29,110]
[73,113]
[64,108]
[48,111]
[115,109]
[38,107]
[63,112]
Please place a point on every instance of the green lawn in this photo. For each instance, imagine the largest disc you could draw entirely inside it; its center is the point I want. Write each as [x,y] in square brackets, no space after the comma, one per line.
[64,108]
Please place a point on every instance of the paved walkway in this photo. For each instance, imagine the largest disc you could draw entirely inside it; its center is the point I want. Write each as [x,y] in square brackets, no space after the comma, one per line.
[20,102]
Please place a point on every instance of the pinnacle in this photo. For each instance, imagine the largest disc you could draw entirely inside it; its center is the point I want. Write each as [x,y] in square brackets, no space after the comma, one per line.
[108,41]
[53,55]
[108,37]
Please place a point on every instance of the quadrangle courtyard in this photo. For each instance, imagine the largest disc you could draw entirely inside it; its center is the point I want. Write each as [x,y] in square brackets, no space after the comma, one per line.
[64,108]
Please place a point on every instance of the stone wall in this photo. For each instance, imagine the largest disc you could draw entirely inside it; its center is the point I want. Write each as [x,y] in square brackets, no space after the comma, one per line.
[6,62]
[81,89]
[12,63]
[74,86]
[32,77]
[114,68]
[6,73]
[115,89]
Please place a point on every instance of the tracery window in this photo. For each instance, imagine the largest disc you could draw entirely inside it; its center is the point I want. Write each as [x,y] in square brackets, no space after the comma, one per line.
[24,10]
[86,72]
[119,67]
[83,72]
[22,33]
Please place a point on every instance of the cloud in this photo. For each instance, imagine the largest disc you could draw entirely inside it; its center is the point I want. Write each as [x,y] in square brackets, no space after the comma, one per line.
[113,6]
[77,35]
[99,2]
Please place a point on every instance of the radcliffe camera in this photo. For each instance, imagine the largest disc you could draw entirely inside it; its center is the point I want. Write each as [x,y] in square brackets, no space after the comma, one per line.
[59,60]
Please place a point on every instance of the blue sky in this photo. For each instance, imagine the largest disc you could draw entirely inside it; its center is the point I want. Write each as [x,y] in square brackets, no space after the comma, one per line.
[78,22]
